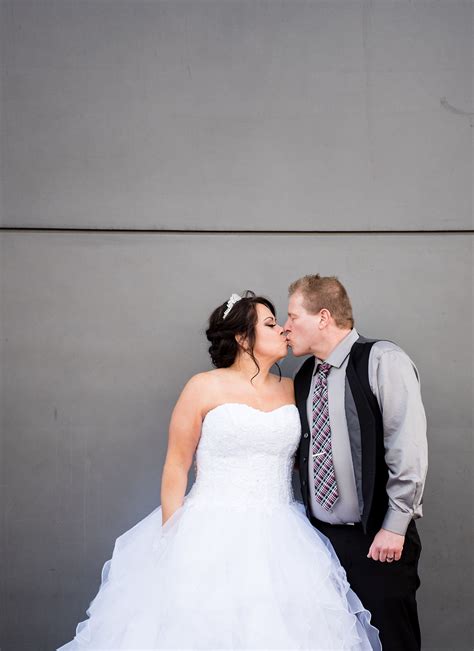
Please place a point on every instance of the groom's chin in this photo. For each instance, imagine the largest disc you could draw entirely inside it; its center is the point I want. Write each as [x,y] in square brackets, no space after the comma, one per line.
[298,353]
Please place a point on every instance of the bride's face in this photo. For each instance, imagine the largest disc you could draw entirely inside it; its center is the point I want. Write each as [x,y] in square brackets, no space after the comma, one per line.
[270,339]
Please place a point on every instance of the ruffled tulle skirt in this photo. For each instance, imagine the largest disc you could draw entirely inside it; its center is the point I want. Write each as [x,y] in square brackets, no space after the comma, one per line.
[224,578]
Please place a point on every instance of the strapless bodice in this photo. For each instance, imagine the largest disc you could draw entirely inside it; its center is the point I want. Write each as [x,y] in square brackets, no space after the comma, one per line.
[245,456]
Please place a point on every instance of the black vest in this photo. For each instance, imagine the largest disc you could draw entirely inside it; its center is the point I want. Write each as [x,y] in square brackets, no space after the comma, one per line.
[374,470]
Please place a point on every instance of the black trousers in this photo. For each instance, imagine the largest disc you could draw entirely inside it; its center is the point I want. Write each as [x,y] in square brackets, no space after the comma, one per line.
[387,590]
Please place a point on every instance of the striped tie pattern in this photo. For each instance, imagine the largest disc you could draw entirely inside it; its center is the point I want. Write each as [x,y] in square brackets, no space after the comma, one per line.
[325,485]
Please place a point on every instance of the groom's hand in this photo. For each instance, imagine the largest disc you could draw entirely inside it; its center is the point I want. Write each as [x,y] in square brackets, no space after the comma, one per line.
[386,546]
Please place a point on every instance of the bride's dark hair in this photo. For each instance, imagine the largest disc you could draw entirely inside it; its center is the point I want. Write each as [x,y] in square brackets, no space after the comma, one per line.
[240,320]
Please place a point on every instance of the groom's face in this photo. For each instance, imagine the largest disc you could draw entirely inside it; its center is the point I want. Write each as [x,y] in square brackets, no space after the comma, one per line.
[302,331]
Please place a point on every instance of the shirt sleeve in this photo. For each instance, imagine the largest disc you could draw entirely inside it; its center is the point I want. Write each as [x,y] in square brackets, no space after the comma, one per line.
[395,382]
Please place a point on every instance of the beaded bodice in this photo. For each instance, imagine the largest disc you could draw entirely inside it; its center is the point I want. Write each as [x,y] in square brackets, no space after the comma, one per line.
[245,456]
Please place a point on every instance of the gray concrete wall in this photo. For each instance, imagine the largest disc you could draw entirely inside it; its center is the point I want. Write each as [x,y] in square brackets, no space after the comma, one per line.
[227,115]
[214,113]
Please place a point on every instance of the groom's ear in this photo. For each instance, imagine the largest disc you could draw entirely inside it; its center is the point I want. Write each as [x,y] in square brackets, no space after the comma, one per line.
[325,317]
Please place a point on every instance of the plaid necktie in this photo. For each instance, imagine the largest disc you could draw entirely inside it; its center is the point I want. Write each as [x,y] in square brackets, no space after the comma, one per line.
[325,485]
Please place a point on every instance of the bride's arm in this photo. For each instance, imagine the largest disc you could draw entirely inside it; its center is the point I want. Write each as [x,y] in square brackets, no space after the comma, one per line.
[184,434]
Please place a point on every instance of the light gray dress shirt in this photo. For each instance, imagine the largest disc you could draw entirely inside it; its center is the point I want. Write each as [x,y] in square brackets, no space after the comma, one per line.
[394,380]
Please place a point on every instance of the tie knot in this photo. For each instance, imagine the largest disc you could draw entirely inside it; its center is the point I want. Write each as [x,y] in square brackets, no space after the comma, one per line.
[324,368]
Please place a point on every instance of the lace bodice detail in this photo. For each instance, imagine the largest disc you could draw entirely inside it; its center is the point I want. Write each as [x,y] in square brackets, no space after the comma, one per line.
[245,456]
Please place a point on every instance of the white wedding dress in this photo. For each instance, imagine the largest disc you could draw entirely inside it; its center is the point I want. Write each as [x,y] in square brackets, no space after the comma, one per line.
[238,565]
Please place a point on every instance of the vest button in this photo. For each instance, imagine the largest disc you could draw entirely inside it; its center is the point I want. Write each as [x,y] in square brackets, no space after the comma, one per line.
[305,435]
[304,482]
[305,459]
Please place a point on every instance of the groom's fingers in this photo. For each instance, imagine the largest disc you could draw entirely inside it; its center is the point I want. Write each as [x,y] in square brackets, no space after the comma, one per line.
[373,552]
[384,555]
[386,547]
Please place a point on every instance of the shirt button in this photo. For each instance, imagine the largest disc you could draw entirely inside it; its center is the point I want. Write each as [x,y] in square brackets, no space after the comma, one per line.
[305,435]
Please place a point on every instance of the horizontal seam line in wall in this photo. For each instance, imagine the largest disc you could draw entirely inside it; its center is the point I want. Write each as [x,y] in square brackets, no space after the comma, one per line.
[174,231]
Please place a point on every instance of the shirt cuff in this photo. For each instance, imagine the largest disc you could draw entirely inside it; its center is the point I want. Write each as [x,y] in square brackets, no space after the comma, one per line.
[396,521]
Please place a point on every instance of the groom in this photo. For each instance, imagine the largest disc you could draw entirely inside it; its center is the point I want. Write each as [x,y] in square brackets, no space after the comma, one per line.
[362,458]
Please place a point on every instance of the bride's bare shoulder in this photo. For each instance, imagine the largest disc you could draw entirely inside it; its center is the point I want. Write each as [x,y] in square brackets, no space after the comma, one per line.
[203,389]
[197,389]
[205,379]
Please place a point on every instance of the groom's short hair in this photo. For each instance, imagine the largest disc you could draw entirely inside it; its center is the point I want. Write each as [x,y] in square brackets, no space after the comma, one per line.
[325,292]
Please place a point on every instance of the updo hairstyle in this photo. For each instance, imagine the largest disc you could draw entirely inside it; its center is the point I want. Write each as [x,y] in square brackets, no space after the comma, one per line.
[240,320]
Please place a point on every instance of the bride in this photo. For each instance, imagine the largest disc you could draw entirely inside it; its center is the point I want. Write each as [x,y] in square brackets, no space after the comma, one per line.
[234,564]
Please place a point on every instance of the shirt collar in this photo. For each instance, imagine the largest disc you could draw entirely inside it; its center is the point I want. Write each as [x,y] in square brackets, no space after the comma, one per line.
[341,351]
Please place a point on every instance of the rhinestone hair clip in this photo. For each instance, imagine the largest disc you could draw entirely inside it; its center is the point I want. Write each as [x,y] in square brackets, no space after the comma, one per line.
[230,303]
